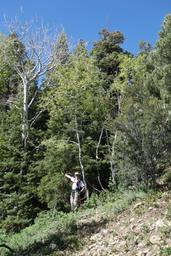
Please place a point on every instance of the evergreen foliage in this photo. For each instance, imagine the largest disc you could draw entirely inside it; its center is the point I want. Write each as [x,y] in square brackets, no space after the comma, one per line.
[104,113]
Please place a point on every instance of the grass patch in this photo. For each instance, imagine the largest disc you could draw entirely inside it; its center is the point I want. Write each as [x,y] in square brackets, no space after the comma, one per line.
[49,233]
[165,251]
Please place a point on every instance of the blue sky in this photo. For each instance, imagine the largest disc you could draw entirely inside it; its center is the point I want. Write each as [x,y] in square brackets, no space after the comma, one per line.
[83,19]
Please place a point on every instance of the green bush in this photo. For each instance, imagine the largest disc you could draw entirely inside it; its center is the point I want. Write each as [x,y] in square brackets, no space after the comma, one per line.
[165,251]
[113,202]
[51,231]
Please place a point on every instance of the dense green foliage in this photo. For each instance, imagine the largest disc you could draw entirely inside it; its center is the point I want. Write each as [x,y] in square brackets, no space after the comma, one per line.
[105,109]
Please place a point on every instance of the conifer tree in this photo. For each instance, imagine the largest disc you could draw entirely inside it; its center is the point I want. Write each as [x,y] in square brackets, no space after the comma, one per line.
[145,118]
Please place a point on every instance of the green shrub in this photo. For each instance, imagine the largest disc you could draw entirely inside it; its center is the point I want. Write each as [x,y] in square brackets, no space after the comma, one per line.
[51,231]
[168,215]
[165,251]
[167,175]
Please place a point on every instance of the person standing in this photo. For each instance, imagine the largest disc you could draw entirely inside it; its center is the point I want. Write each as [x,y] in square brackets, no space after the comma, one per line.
[77,188]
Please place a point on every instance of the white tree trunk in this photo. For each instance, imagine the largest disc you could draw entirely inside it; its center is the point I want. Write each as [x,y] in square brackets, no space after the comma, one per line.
[25,124]
[97,158]
[111,150]
[80,157]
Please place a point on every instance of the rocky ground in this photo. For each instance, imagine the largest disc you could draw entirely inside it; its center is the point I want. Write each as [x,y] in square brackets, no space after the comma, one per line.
[144,229]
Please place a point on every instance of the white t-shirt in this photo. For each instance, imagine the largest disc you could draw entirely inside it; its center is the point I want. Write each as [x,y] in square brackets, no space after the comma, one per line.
[74,183]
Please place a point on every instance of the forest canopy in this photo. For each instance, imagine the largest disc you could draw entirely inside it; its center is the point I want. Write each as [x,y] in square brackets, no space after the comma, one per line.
[102,112]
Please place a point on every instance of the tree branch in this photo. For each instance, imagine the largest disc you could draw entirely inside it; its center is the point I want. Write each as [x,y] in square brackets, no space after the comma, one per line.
[33,120]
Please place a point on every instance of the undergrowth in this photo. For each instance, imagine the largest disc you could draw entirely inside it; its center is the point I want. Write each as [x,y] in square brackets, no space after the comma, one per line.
[53,231]
[50,232]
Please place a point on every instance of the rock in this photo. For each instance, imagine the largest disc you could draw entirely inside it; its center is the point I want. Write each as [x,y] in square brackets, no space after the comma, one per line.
[52,246]
[137,205]
[135,228]
[104,232]
[143,253]
[96,237]
[154,251]
[160,223]
[141,244]
[132,220]
[155,239]
[151,208]
[120,244]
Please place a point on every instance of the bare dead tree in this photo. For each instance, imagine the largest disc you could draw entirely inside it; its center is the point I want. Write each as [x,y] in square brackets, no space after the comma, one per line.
[38,60]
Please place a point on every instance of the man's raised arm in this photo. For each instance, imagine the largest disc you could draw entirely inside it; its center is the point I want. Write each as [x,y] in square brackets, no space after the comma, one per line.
[68,176]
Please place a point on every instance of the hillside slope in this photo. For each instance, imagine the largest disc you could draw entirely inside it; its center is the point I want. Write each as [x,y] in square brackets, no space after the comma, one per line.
[142,229]
[131,223]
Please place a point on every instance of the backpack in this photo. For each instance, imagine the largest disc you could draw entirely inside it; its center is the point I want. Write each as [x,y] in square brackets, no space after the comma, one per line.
[78,185]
